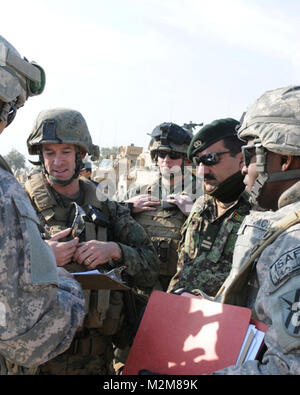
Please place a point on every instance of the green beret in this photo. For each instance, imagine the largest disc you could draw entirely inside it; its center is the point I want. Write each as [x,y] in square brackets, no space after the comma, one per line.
[211,133]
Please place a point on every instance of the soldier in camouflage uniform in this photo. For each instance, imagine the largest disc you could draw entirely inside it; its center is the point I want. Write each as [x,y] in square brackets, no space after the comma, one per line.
[162,207]
[265,274]
[40,306]
[111,240]
[209,233]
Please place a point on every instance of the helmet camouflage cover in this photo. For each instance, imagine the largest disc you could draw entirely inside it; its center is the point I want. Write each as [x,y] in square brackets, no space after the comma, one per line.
[274,120]
[170,137]
[58,126]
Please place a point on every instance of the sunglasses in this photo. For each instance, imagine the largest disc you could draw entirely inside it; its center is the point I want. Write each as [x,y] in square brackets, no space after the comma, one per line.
[172,155]
[248,152]
[209,159]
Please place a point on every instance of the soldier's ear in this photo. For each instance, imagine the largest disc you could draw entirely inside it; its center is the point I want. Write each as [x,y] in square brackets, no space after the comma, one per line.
[286,162]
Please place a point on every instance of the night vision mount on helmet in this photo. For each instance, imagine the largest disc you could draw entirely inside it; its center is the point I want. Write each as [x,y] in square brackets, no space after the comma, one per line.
[19,79]
[169,137]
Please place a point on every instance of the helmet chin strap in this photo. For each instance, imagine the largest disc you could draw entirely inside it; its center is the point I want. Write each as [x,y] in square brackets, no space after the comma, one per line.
[78,167]
[264,177]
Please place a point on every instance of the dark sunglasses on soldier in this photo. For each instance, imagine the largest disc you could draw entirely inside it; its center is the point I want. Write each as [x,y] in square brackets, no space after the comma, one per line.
[210,159]
[248,152]
[171,155]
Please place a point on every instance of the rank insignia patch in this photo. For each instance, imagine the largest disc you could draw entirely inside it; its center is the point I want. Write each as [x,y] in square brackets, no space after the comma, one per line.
[290,303]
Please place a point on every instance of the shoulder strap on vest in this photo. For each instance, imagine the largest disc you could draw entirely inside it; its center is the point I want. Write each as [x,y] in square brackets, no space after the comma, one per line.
[269,237]
[36,187]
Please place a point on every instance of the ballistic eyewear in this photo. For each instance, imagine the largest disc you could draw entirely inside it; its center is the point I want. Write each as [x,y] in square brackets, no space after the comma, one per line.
[172,155]
[210,159]
[248,152]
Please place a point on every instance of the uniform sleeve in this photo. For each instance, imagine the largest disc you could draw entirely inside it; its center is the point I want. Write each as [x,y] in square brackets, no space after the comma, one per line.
[39,313]
[138,253]
[278,305]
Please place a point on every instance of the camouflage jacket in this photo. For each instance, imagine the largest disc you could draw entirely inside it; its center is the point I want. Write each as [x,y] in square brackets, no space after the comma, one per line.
[39,312]
[276,280]
[207,244]
[138,254]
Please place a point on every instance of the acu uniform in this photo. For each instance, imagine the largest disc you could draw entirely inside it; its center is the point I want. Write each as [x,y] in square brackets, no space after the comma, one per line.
[39,311]
[265,273]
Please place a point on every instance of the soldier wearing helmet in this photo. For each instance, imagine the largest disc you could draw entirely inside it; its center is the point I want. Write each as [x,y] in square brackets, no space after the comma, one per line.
[110,240]
[208,235]
[266,268]
[41,307]
[162,207]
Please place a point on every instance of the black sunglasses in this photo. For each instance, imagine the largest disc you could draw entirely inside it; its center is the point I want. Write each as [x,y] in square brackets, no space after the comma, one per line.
[209,159]
[248,152]
[171,154]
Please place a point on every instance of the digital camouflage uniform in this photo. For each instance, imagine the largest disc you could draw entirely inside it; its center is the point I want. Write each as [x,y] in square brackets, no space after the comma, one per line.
[273,292]
[91,352]
[39,311]
[270,284]
[207,244]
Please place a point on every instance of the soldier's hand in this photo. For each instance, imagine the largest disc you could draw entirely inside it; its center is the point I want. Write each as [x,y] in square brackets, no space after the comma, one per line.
[143,203]
[63,250]
[182,201]
[93,253]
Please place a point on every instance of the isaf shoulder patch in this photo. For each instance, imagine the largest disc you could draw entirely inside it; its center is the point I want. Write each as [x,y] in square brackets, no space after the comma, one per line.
[290,303]
[286,265]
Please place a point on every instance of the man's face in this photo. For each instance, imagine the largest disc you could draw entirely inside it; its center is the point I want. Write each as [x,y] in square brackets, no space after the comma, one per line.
[86,173]
[167,165]
[250,171]
[214,174]
[268,198]
[59,160]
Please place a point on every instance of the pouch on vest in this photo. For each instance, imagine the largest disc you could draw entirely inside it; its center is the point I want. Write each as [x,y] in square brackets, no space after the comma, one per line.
[166,249]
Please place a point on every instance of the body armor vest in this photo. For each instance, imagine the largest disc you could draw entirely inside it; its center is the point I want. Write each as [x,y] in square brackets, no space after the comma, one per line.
[53,215]
[163,226]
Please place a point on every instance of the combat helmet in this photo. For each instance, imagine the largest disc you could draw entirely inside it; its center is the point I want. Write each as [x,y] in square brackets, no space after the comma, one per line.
[169,137]
[273,122]
[19,79]
[62,126]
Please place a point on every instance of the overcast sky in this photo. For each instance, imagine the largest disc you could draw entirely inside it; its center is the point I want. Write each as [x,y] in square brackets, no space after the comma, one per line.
[128,65]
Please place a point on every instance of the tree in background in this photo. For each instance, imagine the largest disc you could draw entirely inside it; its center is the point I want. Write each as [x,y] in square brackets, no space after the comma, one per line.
[16,160]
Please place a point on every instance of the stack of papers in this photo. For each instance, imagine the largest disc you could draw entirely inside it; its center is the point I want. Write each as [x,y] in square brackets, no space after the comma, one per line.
[251,345]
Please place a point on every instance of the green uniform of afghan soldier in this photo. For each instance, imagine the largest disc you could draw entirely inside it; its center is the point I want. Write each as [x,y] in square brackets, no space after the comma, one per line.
[112,238]
[209,233]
